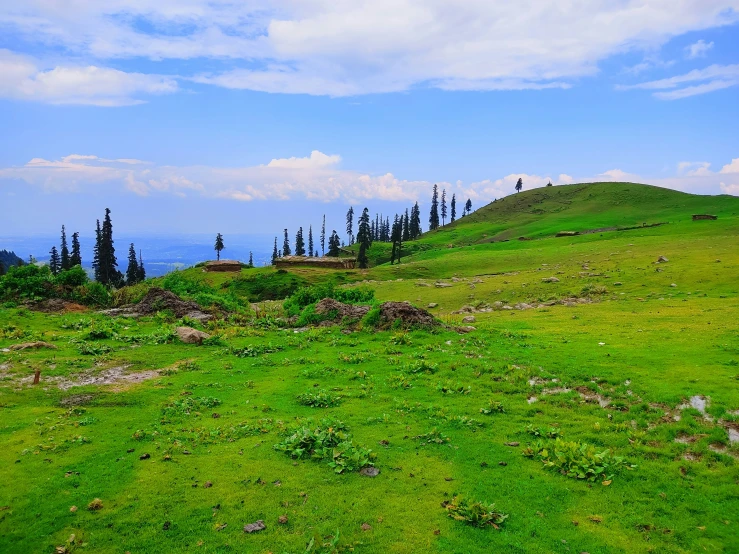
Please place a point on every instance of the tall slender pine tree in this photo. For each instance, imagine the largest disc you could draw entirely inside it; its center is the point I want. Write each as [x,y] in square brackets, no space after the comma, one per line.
[286,245]
[323,236]
[350,224]
[310,240]
[443,207]
[142,271]
[434,215]
[75,258]
[454,208]
[299,243]
[64,251]
[55,263]
[364,238]
[132,271]
[96,253]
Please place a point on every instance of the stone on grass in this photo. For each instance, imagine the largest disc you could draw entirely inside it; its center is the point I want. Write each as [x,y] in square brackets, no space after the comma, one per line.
[469,319]
[188,335]
[254,527]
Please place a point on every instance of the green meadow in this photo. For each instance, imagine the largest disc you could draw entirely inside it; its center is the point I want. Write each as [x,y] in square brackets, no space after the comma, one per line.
[594,402]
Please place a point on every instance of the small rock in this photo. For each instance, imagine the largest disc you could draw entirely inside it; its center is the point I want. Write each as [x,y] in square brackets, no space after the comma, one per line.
[369,471]
[254,527]
[673,285]
[207,485]
[512,443]
[432,305]
[662,260]
[144,456]
[617,284]
[366,527]
[130,450]
[188,335]
[282,520]
[502,463]
[466,329]
[95,505]
[550,280]
[469,319]
[73,509]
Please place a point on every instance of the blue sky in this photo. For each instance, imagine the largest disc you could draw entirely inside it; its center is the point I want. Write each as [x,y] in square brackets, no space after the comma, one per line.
[196,116]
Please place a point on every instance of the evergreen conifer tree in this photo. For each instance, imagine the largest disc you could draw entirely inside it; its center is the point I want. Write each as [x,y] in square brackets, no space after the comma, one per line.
[96,253]
[406,226]
[75,258]
[323,236]
[218,246]
[64,251]
[364,238]
[2,269]
[415,226]
[468,206]
[443,207]
[142,271]
[333,245]
[299,243]
[132,271]
[109,274]
[453,207]
[54,261]
[519,184]
[286,245]
[275,254]
[310,240]
[251,260]
[434,215]
[350,224]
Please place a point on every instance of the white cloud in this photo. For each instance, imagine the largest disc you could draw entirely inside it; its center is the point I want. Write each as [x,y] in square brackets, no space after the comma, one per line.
[694,169]
[733,167]
[698,49]
[91,85]
[317,177]
[716,77]
[340,48]
[730,189]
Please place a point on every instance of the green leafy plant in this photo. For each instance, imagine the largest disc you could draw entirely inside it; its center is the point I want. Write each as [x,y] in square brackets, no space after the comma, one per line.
[493,407]
[449,387]
[579,460]
[433,437]
[254,350]
[329,440]
[477,514]
[320,399]
[551,433]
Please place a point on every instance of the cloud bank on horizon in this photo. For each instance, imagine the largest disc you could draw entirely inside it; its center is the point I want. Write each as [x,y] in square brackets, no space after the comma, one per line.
[317,177]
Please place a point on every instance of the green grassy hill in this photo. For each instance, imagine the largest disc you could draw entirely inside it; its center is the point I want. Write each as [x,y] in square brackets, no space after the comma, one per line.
[543,212]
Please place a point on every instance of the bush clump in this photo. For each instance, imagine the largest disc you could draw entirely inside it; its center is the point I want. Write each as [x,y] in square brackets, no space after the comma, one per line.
[477,514]
[306,296]
[579,460]
[329,440]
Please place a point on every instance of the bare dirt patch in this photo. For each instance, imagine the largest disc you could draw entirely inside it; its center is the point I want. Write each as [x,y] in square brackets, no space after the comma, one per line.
[111,376]
[55,306]
[348,311]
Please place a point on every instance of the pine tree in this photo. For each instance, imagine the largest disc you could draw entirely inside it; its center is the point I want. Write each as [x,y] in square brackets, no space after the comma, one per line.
[54,261]
[350,224]
[406,226]
[468,206]
[96,253]
[443,207]
[415,226]
[109,274]
[310,240]
[434,215]
[364,238]
[64,251]
[454,208]
[75,257]
[275,254]
[219,246]
[396,237]
[251,260]
[333,245]
[323,236]
[299,243]
[132,272]
[519,184]
[142,271]
[286,245]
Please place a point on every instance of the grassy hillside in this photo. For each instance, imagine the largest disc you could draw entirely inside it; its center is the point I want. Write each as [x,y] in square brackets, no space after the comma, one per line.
[615,358]
[543,212]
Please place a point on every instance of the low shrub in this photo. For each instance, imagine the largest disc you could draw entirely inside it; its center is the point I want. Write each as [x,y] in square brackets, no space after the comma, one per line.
[578,460]
[320,399]
[477,514]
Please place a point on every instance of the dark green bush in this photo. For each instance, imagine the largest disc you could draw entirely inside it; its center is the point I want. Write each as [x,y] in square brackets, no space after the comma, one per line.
[29,282]
[305,296]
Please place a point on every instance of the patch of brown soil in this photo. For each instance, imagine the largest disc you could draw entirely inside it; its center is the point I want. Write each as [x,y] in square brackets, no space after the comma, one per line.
[32,346]
[408,315]
[350,311]
[112,376]
[157,300]
[55,306]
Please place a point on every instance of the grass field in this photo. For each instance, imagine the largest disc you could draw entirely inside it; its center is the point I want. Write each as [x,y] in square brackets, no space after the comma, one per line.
[609,355]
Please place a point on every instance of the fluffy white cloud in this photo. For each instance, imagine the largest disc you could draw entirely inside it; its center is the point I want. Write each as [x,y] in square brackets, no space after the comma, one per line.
[340,48]
[317,177]
[733,167]
[730,189]
[91,85]
[698,49]
[714,77]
